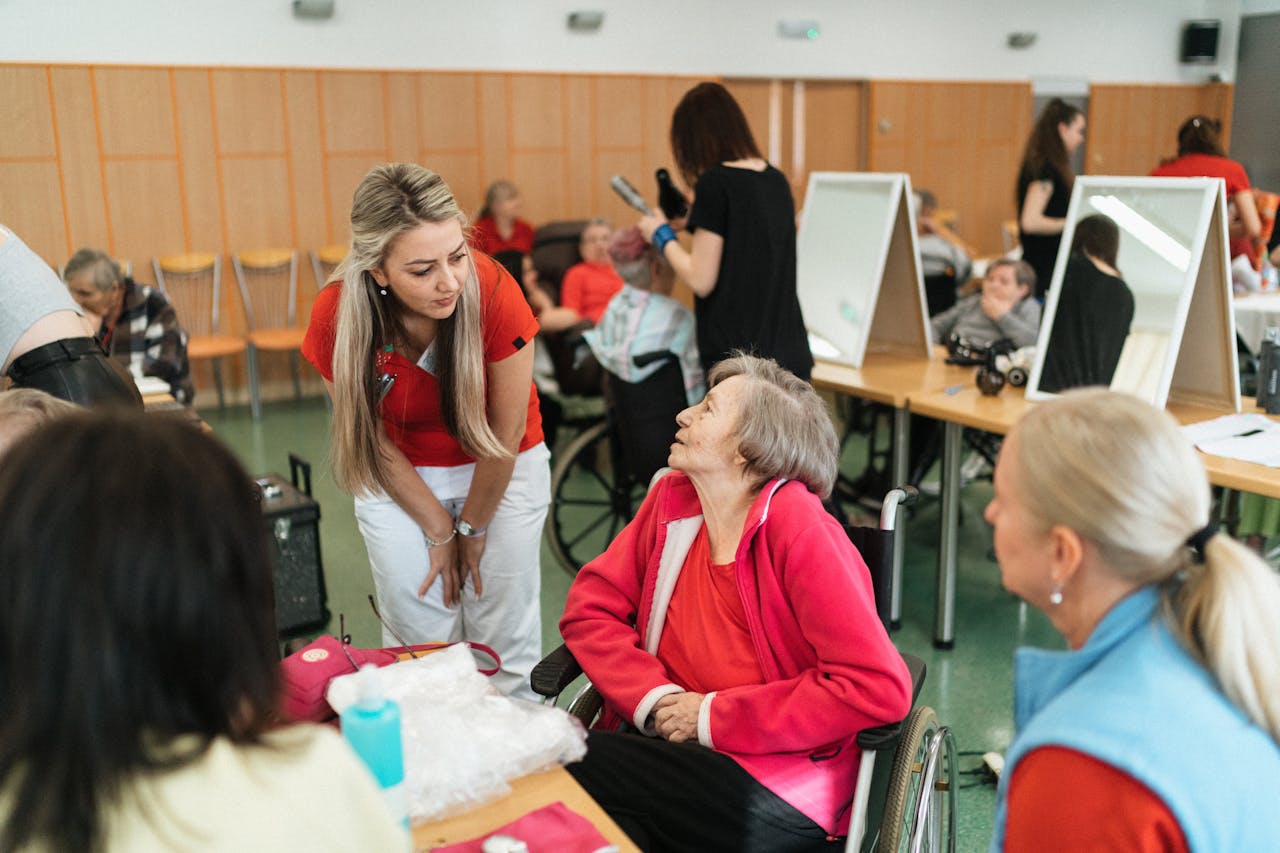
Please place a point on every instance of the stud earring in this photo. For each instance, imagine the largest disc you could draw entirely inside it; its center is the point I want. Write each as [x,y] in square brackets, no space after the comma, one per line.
[382,290]
[1055,597]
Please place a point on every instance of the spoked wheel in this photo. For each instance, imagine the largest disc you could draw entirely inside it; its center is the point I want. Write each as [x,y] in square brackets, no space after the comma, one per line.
[589,503]
[919,809]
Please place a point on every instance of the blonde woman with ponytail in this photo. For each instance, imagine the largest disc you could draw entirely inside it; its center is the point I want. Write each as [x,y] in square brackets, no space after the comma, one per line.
[436,429]
[1159,728]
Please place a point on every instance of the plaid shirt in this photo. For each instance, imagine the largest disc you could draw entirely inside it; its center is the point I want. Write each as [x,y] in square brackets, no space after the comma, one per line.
[148,340]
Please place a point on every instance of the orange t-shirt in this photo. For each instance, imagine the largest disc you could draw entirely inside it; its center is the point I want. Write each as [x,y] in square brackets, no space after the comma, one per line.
[588,287]
[705,643]
[1062,801]
[411,410]
[1211,166]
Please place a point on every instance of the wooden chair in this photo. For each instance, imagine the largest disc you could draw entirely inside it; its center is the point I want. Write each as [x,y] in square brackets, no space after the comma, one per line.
[268,280]
[324,261]
[193,285]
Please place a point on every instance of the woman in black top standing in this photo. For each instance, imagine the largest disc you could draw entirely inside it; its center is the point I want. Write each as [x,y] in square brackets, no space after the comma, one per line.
[742,265]
[1044,186]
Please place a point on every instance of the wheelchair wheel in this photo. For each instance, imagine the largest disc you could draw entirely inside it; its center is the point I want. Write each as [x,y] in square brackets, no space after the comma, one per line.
[590,504]
[919,809]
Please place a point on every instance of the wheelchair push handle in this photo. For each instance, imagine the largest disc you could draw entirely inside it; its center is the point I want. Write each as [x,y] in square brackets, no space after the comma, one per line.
[904,495]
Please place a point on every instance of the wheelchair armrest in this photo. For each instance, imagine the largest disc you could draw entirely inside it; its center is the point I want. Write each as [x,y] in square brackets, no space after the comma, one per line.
[554,672]
[647,358]
[881,737]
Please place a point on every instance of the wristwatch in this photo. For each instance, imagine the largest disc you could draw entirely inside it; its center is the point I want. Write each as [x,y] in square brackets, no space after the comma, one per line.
[465,529]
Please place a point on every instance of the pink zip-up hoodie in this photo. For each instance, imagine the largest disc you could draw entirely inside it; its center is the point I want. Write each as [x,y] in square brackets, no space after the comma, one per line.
[830,670]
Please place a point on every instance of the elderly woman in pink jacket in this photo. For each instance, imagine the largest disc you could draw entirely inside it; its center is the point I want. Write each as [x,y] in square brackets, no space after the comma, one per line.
[732,631]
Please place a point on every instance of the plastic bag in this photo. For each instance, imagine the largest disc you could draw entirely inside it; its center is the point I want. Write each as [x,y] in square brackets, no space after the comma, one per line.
[462,738]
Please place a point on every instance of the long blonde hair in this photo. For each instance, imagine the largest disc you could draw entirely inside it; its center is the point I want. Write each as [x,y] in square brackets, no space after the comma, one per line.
[1121,474]
[391,200]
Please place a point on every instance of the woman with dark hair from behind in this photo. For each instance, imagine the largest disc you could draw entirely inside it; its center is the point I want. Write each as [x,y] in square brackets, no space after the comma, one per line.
[1094,311]
[1201,155]
[137,649]
[1044,186]
[742,264]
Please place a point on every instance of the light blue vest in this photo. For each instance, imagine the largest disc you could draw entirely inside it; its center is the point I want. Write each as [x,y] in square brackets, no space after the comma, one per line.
[1135,699]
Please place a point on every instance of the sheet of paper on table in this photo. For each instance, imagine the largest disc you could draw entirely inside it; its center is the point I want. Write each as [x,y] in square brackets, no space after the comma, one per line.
[1248,437]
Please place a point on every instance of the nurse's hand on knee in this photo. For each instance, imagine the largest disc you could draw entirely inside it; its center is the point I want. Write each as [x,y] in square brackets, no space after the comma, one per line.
[470,550]
[444,560]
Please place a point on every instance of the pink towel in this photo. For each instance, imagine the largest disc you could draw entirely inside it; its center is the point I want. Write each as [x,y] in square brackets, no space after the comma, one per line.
[550,829]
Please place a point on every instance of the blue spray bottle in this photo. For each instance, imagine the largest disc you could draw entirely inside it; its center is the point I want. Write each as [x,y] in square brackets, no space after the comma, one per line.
[372,726]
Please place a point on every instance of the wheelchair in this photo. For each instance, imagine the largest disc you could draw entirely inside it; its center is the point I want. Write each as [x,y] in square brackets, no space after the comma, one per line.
[601,477]
[905,795]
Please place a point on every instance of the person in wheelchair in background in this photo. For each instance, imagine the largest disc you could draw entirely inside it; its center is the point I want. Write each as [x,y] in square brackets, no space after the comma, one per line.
[1000,310]
[731,629]
[643,319]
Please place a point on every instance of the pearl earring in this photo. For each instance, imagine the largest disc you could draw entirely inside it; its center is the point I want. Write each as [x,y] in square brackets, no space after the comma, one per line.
[1055,597]
[382,290]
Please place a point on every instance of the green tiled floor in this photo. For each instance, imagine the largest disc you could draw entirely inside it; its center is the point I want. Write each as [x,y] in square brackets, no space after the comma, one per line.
[969,686]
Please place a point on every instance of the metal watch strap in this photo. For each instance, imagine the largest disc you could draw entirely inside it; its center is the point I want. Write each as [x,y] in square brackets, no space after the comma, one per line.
[464,528]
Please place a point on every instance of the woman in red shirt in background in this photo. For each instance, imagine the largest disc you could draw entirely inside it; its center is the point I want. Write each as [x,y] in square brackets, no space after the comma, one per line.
[498,226]
[1200,155]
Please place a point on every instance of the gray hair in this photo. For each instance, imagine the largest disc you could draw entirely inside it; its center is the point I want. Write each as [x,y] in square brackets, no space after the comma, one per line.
[1023,272]
[106,272]
[1120,474]
[784,429]
[24,409]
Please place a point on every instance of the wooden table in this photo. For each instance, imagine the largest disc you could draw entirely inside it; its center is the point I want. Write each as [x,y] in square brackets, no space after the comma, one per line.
[966,407]
[891,380]
[528,793]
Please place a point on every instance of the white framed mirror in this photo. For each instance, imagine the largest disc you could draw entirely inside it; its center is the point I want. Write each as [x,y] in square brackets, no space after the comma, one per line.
[1135,252]
[858,267]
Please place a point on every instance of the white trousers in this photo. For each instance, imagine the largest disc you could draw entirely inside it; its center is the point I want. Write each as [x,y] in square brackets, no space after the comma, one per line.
[508,615]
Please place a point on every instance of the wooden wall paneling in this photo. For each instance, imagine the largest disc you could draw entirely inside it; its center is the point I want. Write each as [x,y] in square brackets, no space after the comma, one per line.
[581,190]
[146,212]
[135,110]
[660,96]
[79,156]
[306,159]
[402,117]
[30,185]
[492,129]
[31,205]
[961,140]
[250,111]
[197,163]
[536,134]
[257,202]
[448,115]
[1132,128]
[834,130]
[343,173]
[354,112]
[755,96]
[27,129]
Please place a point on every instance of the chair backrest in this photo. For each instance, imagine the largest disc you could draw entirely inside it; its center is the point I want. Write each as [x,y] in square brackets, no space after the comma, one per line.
[268,280]
[555,249]
[193,285]
[1009,235]
[324,261]
[644,415]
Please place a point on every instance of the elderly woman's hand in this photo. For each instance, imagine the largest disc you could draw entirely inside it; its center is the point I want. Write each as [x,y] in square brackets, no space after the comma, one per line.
[675,716]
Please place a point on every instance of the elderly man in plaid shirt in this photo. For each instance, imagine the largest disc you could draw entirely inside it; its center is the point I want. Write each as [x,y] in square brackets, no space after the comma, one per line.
[136,324]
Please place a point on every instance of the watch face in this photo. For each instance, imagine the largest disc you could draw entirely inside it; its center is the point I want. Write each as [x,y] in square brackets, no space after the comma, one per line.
[466,529]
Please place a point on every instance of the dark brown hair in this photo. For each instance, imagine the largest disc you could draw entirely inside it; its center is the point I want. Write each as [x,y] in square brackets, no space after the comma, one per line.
[709,128]
[1200,135]
[1097,235]
[1045,147]
[136,606]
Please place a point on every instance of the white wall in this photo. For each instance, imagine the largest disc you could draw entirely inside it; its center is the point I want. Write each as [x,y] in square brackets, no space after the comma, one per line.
[1131,41]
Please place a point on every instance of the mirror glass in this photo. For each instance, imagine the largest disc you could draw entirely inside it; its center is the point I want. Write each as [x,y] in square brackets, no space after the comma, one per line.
[840,255]
[1112,314]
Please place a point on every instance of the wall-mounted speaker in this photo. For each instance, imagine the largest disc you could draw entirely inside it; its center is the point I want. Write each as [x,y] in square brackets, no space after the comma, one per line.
[1200,42]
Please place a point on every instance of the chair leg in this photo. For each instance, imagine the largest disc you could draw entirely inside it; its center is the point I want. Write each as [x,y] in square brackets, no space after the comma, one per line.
[297,379]
[255,404]
[217,381]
